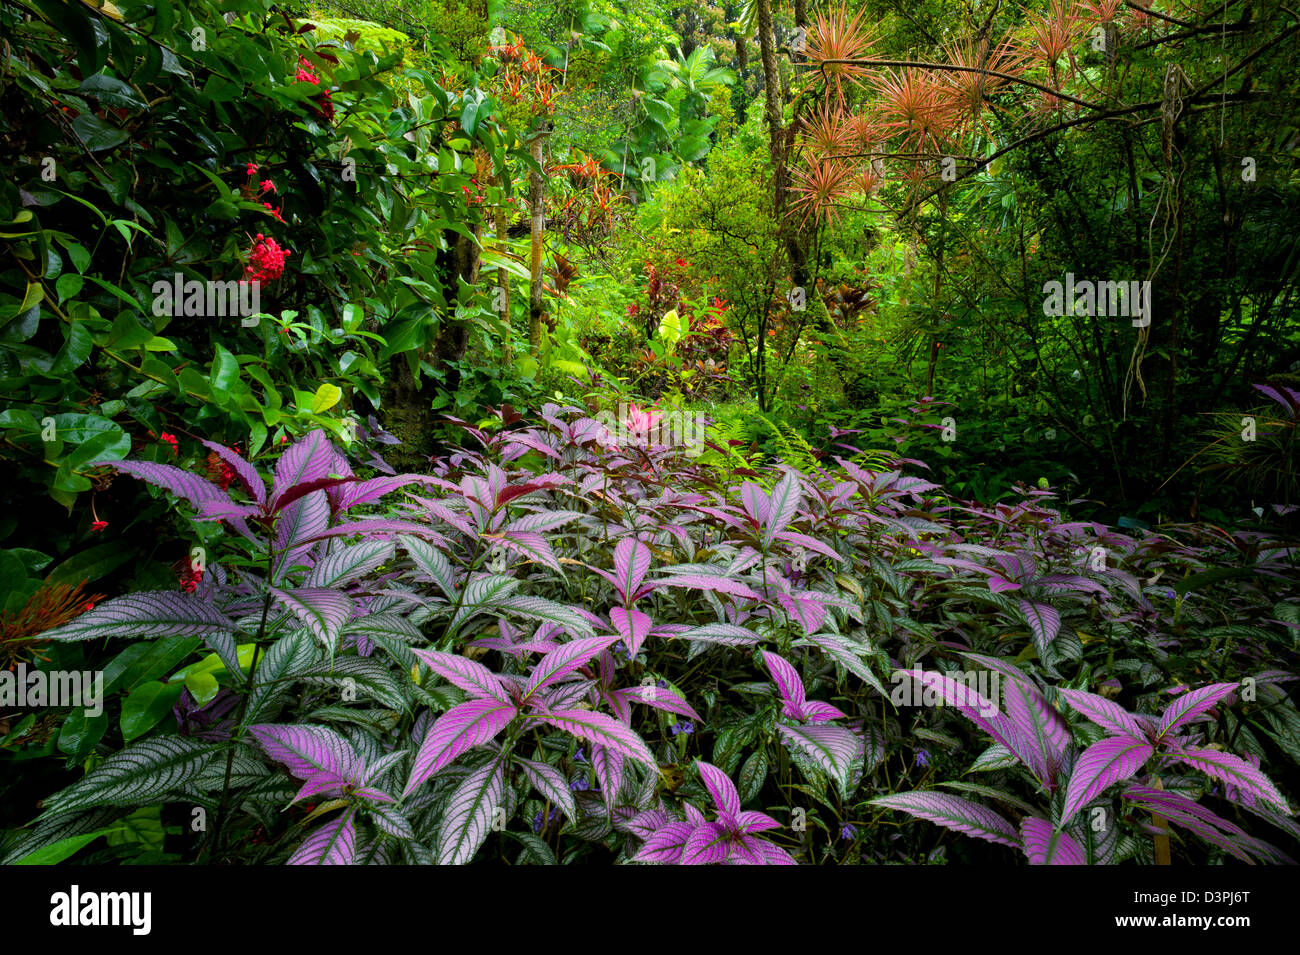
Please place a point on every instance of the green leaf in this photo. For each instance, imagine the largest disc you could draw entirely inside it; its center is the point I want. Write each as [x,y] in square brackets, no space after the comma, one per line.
[97,134]
[56,852]
[326,397]
[68,285]
[146,706]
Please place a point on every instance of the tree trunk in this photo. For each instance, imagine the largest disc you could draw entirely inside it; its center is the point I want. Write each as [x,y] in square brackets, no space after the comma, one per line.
[771,81]
[502,293]
[537,200]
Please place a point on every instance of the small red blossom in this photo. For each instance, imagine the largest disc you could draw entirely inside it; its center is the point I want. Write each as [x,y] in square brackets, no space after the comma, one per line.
[267,185]
[275,212]
[171,439]
[97,526]
[682,262]
[252,169]
[89,605]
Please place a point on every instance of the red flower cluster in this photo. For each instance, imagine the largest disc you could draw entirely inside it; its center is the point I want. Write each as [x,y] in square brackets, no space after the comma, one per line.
[190,578]
[325,99]
[171,439]
[97,526]
[266,260]
[219,472]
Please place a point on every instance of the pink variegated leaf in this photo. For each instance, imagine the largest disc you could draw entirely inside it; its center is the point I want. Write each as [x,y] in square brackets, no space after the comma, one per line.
[725,633]
[605,730]
[834,749]
[472,677]
[1000,584]
[1188,707]
[657,698]
[815,711]
[310,752]
[1236,772]
[1045,845]
[467,817]
[308,459]
[322,610]
[560,662]
[666,844]
[363,492]
[531,441]
[462,727]
[445,514]
[770,854]
[717,584]
[1105,713]
[542,521]
[755,503]
[632,625]
[807,610]
[1034,721]
[986,714]
[146,614]
[709,844]
[809,543]
[1180,810]
[631,564]
[334,843]
[608,767]
[953,812]
[552,785]
[720,787]
[645,824]
[1100,766]
[783,504]
[225,509]
[300,521]
[175,481]
[693,814]
[530,545]
[1044,622]
[751,822]
[788,682]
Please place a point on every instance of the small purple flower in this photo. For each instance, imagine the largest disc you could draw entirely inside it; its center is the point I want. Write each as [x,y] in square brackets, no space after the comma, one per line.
[538,824]
[922,758]
[662,684]
[578,757]
[579,785]
[848,832]
[685,727]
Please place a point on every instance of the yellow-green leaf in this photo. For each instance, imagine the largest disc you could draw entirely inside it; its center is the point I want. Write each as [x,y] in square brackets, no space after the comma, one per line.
[326,397]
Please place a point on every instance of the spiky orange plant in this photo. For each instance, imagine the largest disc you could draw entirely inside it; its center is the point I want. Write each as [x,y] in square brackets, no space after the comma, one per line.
[834,35]
[1053,35]
[819,186]
[52,605]
[916,105]
[969,90]
[828,132]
